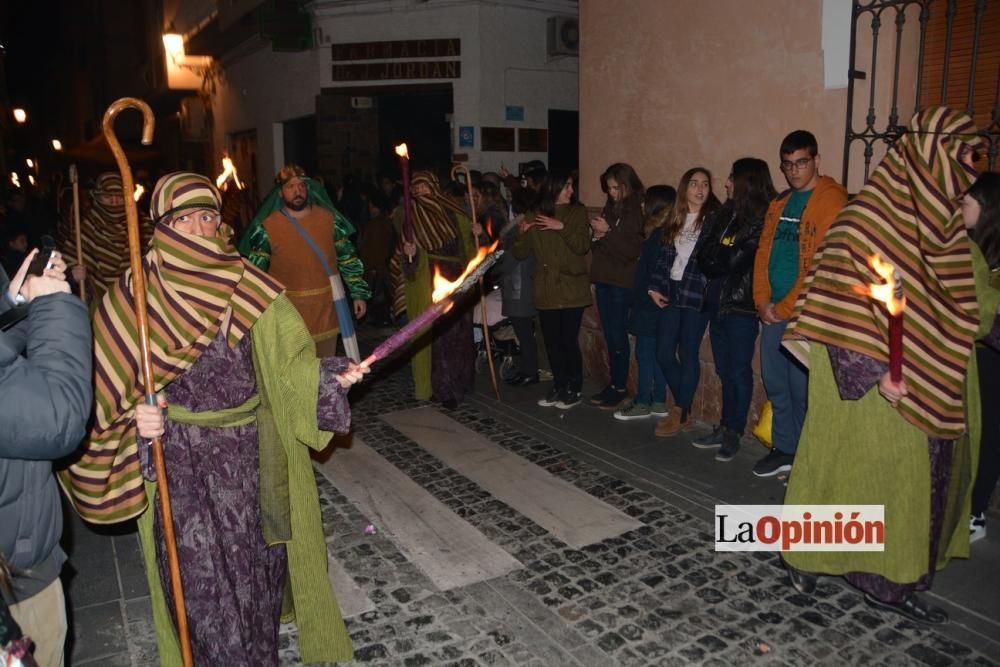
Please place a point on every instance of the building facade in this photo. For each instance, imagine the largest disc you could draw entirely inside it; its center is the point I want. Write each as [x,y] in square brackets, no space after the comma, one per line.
[478,81]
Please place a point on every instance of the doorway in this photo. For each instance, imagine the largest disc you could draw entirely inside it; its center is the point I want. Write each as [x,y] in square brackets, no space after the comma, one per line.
[564,140]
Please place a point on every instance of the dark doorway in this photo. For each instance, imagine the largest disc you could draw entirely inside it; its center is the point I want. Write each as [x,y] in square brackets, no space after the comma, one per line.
[300,142]
[564,140]
[419,118]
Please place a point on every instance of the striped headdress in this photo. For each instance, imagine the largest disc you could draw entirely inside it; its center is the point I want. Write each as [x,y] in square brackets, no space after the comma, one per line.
[103,234]
[432,225]
[192,284]
[182,191]
[908,214]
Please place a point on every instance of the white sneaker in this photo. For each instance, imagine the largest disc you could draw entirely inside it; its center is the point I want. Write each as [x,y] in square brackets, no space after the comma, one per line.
[977,527]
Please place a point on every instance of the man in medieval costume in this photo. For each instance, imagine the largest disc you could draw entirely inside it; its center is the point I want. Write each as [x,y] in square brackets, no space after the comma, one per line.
[248,399]
[103,236]
[443,358]
[911,446]
[303,241]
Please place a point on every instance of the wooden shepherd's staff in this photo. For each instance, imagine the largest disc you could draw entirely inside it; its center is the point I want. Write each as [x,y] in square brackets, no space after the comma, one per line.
[482,290]
[74,178]
[142,323]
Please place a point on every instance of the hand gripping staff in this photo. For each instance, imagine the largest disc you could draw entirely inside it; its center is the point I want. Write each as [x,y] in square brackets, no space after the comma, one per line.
[142,324]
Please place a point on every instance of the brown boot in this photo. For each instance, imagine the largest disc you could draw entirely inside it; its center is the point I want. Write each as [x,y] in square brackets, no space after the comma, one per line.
[676,422]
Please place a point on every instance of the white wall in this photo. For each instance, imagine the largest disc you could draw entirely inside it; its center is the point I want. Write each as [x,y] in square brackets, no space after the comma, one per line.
[258,88]
[503,57]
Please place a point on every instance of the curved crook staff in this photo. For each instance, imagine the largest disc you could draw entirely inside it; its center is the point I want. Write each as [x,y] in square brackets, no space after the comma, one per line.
[142,324]
[482,290]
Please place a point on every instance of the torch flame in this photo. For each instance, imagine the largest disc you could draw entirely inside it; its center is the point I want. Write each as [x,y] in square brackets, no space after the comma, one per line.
[402,152]
[890,293]
[138,191]
[443,287]
[228,169]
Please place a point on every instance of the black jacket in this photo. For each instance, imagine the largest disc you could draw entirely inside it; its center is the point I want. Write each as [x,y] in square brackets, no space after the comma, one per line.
[46,397]
[727,257]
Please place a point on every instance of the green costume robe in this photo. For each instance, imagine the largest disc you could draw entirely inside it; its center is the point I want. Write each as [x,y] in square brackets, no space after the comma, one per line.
[864,453]
[287,383]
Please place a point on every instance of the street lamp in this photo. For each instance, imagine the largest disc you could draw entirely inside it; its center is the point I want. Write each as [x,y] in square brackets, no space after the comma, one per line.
[20,115]
[56,144]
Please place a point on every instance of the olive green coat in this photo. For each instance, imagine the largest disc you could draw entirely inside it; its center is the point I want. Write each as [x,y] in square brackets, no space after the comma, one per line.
[561,278]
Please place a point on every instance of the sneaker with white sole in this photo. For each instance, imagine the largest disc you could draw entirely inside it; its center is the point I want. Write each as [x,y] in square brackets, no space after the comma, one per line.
[633,411]
[776,461]
[710,440]
[550,399]
[977,527]
[568,399]
[730,445]
[659,409]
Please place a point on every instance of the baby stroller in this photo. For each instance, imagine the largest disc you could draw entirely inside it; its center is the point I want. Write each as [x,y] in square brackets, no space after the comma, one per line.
[503,342]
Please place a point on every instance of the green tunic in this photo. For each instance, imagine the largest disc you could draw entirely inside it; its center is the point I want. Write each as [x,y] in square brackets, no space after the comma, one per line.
[418,288]
[864,453]
[288,385]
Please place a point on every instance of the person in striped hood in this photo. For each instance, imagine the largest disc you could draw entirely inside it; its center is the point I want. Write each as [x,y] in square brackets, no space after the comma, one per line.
[247,399]
[103,236]
[443,361]
[909,446]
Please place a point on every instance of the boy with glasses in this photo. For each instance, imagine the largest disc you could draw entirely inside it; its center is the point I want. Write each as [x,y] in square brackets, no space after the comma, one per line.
[794,227]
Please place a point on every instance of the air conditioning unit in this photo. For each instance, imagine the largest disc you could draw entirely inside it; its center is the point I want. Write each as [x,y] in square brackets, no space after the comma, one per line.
[563,36]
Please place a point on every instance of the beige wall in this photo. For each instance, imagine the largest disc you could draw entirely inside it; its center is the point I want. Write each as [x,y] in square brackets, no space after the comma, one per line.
[666,85]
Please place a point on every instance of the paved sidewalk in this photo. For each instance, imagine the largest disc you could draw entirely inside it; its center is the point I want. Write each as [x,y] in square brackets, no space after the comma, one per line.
[656,595]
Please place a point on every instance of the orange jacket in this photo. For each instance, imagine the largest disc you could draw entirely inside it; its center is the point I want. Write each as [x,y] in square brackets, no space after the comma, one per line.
[820,212]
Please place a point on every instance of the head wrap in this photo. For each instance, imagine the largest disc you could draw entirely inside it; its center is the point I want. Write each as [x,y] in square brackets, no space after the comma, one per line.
[433,224]
[288,172]
[108,184]
[908,214]
[195,286]
[182,191]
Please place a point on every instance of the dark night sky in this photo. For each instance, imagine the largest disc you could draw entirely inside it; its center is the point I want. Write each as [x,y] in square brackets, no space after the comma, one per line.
[32,51]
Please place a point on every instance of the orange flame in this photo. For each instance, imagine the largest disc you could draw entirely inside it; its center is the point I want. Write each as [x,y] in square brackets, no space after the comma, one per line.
[489,226]
[228,169]
[887,293]
[402,152]
[443,287]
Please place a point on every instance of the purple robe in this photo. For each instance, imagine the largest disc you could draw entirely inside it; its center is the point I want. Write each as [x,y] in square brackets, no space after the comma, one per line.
[233,581]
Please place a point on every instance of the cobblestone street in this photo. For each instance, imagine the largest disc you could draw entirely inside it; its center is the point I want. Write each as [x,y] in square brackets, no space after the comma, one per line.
[655,595]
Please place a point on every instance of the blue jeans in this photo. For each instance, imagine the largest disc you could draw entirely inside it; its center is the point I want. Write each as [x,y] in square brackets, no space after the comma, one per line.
[613,304]
[678,334]
[734,338]
[786,383]
[652,385]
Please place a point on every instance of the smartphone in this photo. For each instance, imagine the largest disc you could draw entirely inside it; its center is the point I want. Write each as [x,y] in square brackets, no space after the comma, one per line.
[43,260]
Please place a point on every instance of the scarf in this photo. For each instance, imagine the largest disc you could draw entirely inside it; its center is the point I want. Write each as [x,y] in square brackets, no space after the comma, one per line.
[908,214]
[192,283]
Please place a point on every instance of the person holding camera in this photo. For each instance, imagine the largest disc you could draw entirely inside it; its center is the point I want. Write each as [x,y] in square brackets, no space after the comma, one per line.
[45,401]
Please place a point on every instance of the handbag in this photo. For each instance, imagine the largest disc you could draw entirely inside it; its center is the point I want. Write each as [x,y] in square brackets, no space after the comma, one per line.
[762,431]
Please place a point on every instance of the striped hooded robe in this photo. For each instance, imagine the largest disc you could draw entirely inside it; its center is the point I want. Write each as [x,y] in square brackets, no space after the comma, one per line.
[442,361]
[247,398]
[916,459]
[103,235]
